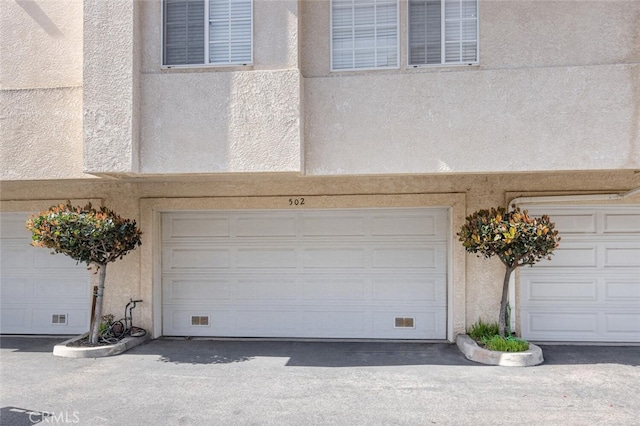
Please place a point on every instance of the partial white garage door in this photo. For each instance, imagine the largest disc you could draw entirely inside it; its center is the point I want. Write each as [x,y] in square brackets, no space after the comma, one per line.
[590,290]
[39,293]
[325,274]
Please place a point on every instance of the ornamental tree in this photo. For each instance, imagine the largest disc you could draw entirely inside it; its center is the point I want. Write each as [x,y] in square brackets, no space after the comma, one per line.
[516,238]
[87,235]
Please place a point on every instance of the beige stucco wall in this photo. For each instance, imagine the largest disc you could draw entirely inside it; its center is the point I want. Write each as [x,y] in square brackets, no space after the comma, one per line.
[224,119]
[40,89]
[557,88]
[111,86]
[475,283]
[41,44]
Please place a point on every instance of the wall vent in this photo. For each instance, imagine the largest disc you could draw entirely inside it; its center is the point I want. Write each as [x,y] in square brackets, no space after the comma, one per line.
[199,320]
[405,322]
[59,319]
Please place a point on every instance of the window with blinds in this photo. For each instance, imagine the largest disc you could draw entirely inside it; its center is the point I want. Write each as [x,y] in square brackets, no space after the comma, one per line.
[443,32]
[208,32]
[364,34]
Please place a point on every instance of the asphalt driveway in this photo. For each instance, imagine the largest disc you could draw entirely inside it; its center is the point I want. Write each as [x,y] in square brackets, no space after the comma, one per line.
[205,382]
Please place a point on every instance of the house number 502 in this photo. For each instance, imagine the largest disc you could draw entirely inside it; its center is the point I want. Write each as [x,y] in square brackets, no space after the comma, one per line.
[296,201]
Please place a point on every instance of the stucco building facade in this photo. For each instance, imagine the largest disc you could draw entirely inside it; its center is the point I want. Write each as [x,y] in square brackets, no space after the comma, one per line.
[311,183]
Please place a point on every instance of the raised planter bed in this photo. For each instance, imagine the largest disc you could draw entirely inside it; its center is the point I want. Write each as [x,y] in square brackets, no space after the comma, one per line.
[63,350]
[475,353]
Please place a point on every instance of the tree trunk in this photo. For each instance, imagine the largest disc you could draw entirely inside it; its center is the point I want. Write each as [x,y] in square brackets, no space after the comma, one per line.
[502,321]
[93,336]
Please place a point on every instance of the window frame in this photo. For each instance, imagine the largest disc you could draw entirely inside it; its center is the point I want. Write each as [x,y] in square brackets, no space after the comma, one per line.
[398,43]
[206,42]
[442,40]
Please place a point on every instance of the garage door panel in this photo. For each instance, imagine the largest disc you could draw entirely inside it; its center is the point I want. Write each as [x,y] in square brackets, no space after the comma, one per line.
[425,323]
[560,290]
[562,322]
[267,258]
[404,258]
[62,289]
[197,321]
[575,223]
[258,321]
[623,323]
[196,258]
[269,226]
[266,289]
[572,256]
[408,225]
[16,255]
[15,288]
[323,323]
[331,288]
[318,226]
[15,319]
[43,259]
[622,256]
[193,226]
[334,257]
[196,289]
[625,290]
[36,319]
[621,223]
[425,289]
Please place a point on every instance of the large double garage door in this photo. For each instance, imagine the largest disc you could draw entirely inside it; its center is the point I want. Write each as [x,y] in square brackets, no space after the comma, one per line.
[366,273]
[590,290]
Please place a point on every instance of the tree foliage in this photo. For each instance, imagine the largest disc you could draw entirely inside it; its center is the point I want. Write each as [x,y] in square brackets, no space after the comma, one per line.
[85,234]
[513,236]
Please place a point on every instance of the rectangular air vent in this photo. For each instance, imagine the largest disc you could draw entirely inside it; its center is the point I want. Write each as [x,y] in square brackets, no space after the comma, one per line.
[405,322]
[59,319]
[198,320]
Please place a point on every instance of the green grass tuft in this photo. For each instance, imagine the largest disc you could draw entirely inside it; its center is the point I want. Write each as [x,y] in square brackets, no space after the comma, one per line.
[481,330]
[505,344]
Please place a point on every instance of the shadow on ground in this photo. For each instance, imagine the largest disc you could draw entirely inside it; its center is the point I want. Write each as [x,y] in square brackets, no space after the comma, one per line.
[14,416]
[30,344]
[570,355]
[304,354]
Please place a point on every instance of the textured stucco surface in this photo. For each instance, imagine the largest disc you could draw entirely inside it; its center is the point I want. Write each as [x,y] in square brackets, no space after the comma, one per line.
[529,119]
[221,122]
[41,89]
[476,282]
[41,134]
[41,44]
[111,71]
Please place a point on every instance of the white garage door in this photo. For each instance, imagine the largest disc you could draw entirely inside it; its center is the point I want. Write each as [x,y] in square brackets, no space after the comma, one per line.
[39,293]
[325,274]
[590,290]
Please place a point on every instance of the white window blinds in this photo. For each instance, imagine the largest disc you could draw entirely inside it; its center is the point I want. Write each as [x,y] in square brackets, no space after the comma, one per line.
[364,34]
[198,32]
[443,32]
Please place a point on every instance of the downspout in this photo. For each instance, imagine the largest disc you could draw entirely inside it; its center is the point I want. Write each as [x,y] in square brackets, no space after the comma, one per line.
[550,199]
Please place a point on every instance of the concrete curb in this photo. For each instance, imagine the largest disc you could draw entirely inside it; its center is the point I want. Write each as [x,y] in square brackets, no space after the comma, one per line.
[123,345]
[475,353]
